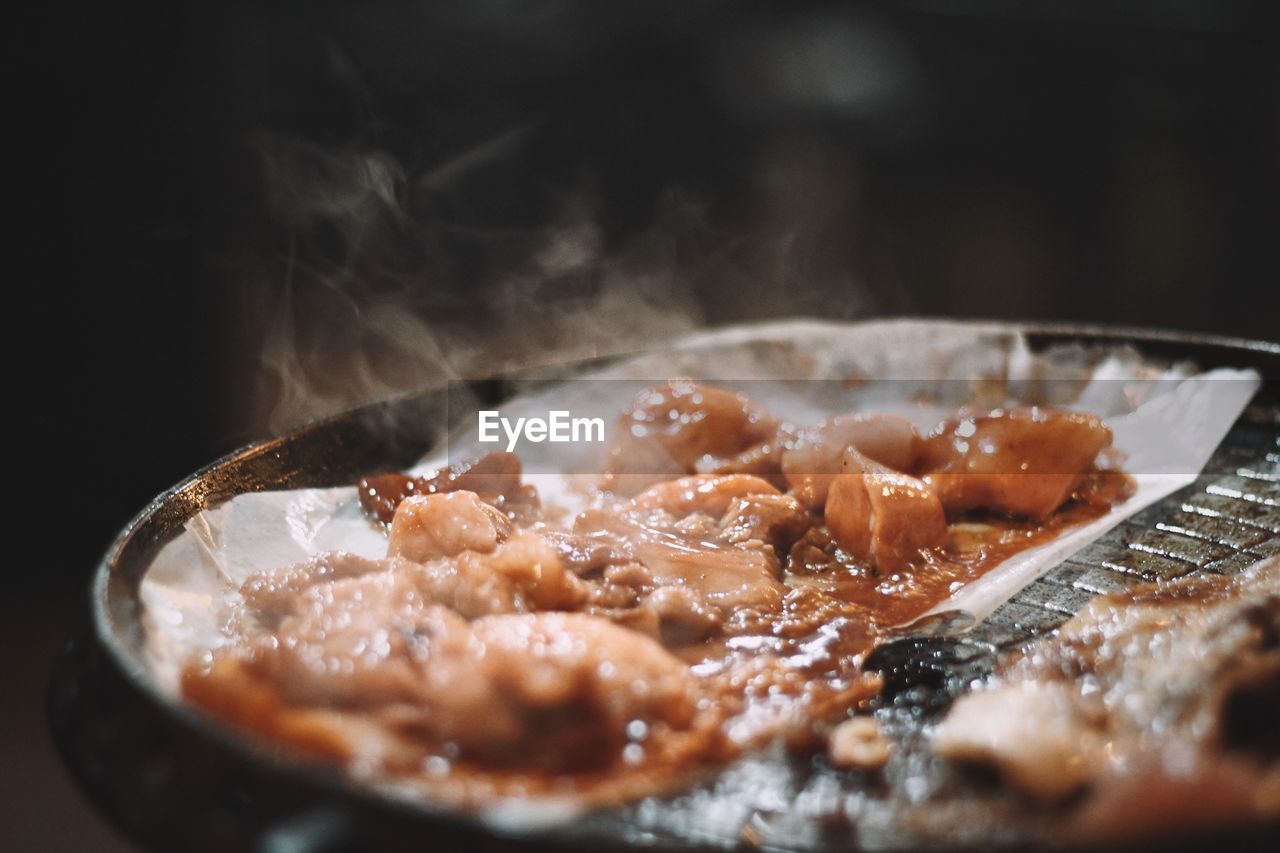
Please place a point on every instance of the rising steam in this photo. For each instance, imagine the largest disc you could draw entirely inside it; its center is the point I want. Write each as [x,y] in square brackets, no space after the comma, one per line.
[372,295]
[368,307]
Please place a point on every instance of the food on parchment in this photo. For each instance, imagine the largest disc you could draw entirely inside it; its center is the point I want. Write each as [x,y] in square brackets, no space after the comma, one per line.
[718,593]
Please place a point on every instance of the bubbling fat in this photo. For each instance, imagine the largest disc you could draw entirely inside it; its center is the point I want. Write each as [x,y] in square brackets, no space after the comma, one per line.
[719,594]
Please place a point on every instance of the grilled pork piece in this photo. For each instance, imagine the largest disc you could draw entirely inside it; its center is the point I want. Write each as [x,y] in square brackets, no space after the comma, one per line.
[444,525]
[684,428]
[813,459]
[717,539]
[1023,462]
[268,596]
[494,477]
[520,575]
[551,691]
[882,516]
[1160,703]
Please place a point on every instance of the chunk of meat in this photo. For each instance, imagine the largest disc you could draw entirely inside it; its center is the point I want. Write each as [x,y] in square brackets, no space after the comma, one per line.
[467,562]
[727,577]
[704,494]
[774,520]
[529,566]
[1019,461]
[682,615]
[495,477]
[735,521]
[520,575]
[813,459]
[682,428]
[715,539]
[1152,804]
[565,687]
[444,525]
[1044,743]
[229,689]
[1179,688]
[270,595]
[882,516]
[586,552]
[858,743]
[352,643]
[549,691]
[761,460]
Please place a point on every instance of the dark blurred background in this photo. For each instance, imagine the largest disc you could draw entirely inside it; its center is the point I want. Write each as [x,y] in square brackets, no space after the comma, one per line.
[237,215]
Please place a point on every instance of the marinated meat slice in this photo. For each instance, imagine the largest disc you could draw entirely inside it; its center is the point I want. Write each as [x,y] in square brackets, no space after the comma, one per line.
[564,690]
[681,615]
[814,457]
[726,577]
[1139,699]
[520,575]
[1045,743]
[495,477]
[1019,461]
[555,692]
[270,595]
[683,428]
[585,552]
[773,520]
[762,460]
[713,541]
[469,560]
[718,535]
[354,643]
[882,516]
[706,495]
[1230,794]
[380,494]
[528,563]
[444,525]
[231,690]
